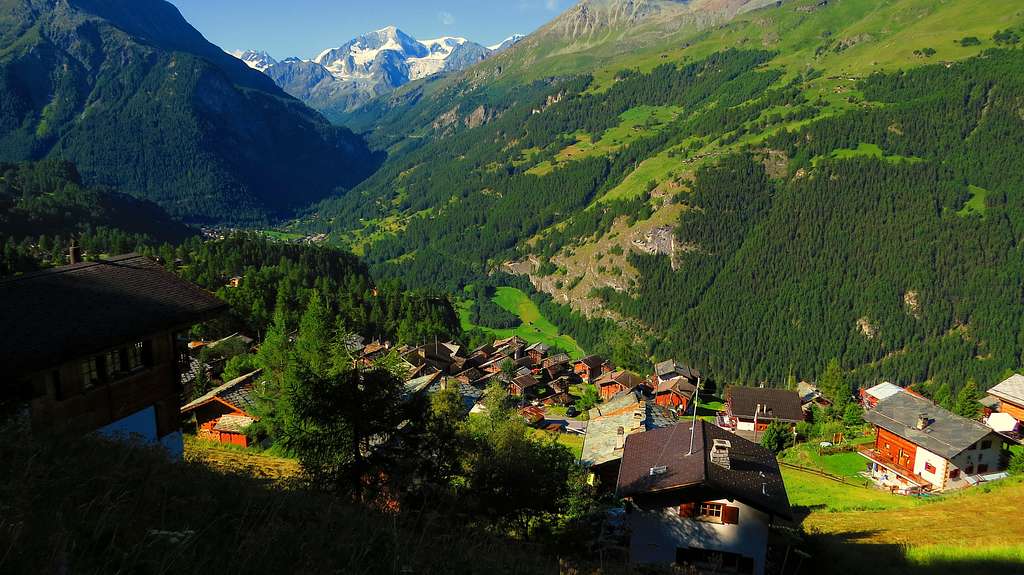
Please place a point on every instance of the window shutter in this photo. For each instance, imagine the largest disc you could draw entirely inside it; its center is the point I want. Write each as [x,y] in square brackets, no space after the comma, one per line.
[687,509]
[730,515]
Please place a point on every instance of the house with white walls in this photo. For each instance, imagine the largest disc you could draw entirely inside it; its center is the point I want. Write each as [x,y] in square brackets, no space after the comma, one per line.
[920,446]
[700,497]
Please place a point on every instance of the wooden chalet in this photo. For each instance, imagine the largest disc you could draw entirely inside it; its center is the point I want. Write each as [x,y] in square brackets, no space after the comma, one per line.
[677,393]
[225,412]
[670,369]
[1009,404]
[537,352]
[93,347]
[591,367]
[611,384]
[749,410]
[521,384]
[709,509]
[920,446]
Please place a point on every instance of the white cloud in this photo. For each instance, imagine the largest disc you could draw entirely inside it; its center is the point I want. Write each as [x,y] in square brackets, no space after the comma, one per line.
[446,18]
[551,5]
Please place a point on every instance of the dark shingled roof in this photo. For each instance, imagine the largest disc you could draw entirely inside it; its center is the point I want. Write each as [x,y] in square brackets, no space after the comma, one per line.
[753,477]
[526,381]
[672,368]
[946,434]
[782,405]
[592,361]
[73,311]
[237,392]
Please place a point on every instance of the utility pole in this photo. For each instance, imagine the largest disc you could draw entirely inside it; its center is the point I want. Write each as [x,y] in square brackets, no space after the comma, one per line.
[693,426]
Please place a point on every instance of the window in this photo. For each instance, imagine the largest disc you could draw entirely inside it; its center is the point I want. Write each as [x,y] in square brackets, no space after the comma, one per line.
[987,444]
[710,512]
[929,468]
[90,372]
[133,357]
[954,474]
[983,468]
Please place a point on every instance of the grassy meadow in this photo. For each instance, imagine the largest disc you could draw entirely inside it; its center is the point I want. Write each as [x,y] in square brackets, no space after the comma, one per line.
[535,327]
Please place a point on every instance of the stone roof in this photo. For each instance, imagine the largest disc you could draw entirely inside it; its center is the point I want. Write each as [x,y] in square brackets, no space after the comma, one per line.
[946,434]
[233,423]
[671,367]
[73,311]
[603,442]
[753,475]
[238,393]
[1011,390]
[592,361]
[776,404]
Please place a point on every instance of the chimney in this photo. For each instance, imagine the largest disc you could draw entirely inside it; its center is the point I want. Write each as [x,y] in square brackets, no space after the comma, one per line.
[74,253]
[620,438]
[720,453]
[922,421]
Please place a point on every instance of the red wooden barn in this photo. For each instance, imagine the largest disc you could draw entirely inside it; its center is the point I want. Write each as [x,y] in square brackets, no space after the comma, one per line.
[224,413]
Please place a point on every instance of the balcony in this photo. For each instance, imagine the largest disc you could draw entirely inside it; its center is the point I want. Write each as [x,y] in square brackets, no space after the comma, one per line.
[883,459]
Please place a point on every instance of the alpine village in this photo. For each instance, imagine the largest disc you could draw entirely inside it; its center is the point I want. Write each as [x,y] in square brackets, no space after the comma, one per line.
[663,286]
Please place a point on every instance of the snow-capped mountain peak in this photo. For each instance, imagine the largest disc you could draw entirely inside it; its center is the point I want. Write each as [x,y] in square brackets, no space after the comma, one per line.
[370,65]
[506,43]
[255,59]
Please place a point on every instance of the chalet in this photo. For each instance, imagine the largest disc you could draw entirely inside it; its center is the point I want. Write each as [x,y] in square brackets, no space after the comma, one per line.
[610,423]
[707,508]
[677,394]
[559,392]
[1010,394]
[611,384]
[224,414]
[537,352]
[669,370]
[592,367]
[556,360]
[92,347]
[921,447]
[521,384]
[870,397]
[749,410]
[810,395]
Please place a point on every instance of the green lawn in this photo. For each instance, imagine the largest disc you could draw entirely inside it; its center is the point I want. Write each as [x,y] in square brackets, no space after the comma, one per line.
[841,464]
[571,440]
[823,494]
[535,327]
[707,408]
[975,205]
[865,151]
[283,236]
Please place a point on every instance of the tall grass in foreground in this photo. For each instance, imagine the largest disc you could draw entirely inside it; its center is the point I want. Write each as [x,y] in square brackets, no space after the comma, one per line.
[946,554]
[92,506]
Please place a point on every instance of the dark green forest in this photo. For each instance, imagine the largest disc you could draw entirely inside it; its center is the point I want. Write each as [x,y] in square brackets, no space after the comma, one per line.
[44,205]
[279,277]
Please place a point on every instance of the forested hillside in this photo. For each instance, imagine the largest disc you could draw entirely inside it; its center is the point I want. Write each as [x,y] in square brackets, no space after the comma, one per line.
[844,185]
[44,205]
[140,101]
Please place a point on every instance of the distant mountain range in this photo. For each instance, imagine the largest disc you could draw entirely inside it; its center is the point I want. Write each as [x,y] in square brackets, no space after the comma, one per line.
[141,102]
[344,78]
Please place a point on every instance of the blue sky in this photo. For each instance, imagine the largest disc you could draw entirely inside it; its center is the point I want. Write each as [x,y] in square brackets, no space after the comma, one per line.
[304,27]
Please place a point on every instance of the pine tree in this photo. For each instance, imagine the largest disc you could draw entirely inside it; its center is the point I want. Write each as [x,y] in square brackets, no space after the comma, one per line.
[313,345]
[967,400]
